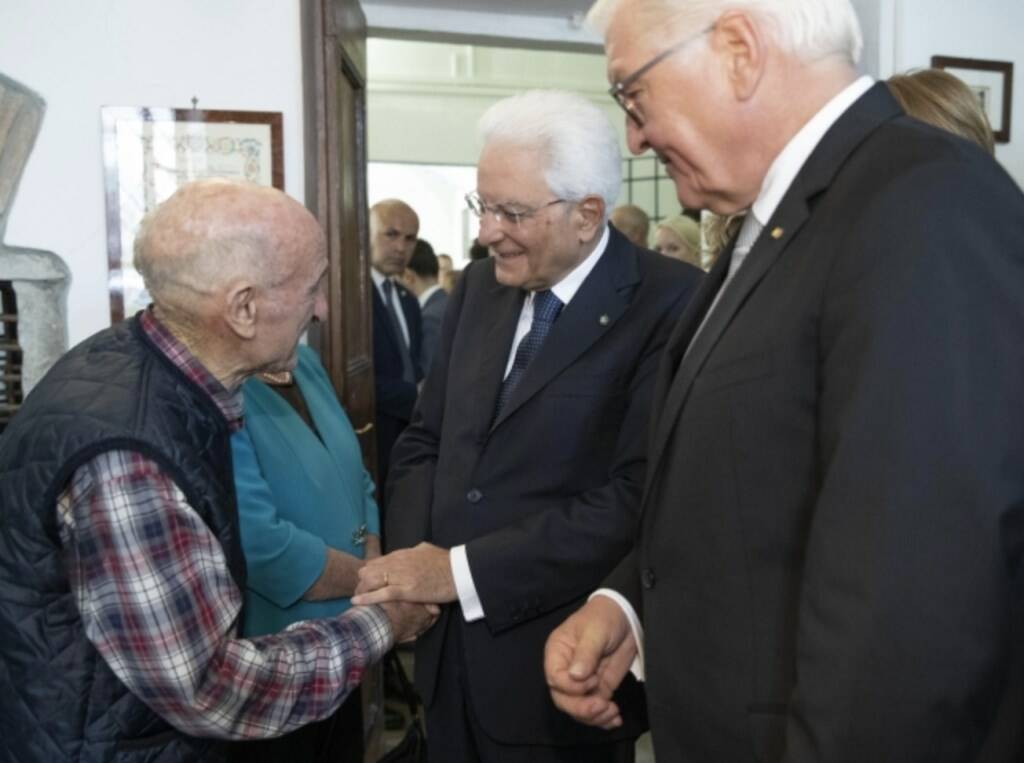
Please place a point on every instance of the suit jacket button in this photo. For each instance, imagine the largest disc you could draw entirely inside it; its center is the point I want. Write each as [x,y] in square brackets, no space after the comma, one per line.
[474,496]
[647,578]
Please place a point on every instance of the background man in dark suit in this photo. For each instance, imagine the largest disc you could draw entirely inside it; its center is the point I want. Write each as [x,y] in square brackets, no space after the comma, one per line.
[421,279]
[520,475]
[396,324]
[829,566]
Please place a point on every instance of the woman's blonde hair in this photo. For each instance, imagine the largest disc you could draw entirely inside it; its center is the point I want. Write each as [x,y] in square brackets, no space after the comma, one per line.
[687,230]
[940,99]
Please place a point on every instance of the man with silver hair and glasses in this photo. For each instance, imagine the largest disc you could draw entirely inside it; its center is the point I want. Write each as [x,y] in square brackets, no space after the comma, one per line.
[515,489]
[829,565]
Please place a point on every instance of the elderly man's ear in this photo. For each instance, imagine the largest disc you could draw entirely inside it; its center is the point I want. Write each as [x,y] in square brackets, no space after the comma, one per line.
[240,309]
[590,213]
[738,40]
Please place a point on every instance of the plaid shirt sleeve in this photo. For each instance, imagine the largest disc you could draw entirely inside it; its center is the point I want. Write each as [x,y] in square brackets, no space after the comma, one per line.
[158,603]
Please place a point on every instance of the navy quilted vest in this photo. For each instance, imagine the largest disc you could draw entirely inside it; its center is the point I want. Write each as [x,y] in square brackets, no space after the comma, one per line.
[58,699]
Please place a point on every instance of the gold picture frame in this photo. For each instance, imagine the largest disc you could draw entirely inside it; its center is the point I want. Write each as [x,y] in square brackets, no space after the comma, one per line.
[149,152]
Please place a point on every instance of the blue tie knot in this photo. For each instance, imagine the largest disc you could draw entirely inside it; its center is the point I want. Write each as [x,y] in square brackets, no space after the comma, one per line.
[546,306]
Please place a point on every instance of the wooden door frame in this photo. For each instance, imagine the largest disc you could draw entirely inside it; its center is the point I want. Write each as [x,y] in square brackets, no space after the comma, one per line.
[334,46]
[333,41]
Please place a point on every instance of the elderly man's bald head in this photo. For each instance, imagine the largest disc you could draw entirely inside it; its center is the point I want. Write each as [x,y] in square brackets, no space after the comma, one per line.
[236,272]
[210,233]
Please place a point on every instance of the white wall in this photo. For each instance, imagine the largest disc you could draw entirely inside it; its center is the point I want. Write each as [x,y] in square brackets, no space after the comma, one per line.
[437,193]
[396,20]
[989,29]
[230,54]
[871,14]
[424,99]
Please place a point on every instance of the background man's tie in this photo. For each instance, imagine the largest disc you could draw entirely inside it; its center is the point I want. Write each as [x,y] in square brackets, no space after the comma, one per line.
[408,374]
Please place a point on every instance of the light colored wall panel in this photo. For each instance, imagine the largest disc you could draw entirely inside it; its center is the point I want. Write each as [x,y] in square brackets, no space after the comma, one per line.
[230,54]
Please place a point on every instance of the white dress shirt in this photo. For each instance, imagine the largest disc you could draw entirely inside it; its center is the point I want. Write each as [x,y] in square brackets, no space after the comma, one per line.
[776,183]
[378,281]
[565,290]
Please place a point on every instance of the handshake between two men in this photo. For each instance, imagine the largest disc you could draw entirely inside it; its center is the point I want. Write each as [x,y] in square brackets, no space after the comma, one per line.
[585,659]
[404,578]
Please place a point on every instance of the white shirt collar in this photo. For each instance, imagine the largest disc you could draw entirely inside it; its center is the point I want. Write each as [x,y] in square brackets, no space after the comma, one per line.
[428,293]
[566,289]
[789,161]
[378,278]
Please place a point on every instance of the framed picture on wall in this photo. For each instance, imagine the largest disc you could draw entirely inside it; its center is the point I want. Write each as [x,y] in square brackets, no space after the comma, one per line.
[992,84]
[149,152]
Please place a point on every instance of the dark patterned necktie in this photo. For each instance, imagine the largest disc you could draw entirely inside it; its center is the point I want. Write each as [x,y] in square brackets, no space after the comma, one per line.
[408,373]
[546,307]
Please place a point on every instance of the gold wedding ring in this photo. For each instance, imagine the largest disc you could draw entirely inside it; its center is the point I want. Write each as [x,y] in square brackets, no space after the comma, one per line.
[385,579]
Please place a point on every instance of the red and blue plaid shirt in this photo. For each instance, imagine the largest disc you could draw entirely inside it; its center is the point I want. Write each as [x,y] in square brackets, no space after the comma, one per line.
[158,603]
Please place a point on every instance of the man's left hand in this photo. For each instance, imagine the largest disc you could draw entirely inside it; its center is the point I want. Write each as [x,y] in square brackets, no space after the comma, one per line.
[422,574]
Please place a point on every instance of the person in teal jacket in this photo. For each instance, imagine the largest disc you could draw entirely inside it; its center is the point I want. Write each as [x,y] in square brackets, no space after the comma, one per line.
[308,519]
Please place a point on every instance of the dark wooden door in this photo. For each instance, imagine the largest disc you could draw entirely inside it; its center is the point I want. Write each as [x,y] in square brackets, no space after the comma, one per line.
[334,49]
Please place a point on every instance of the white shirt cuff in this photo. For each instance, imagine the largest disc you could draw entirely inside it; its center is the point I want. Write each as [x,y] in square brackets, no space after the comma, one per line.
[472,609]
[637,668]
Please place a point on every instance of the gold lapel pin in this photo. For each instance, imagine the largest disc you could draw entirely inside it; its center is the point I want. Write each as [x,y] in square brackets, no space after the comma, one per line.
[777,233]
[604,320]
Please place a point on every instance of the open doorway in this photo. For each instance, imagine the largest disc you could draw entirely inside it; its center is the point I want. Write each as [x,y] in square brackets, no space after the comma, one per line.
[423,103]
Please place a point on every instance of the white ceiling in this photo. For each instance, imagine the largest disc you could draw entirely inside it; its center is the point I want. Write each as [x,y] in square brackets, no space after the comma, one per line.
[552,8]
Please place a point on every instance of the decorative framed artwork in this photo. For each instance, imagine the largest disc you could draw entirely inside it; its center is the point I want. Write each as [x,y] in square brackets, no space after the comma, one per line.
[991,82]
[149,152]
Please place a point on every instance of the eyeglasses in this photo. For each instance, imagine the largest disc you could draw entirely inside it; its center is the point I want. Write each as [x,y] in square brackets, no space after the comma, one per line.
[501,212]
[620,90]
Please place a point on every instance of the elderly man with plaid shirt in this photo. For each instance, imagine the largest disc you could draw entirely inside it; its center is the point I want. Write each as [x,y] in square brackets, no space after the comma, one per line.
[121,573]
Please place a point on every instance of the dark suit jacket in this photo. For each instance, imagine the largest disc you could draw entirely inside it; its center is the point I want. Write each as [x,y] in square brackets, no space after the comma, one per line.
[432,313]
[546,497]
[395,396]
[830,558]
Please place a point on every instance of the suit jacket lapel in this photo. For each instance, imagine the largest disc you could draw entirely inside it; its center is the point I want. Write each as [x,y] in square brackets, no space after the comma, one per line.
[859,121]
[789,217]
[504,306]
[601,300]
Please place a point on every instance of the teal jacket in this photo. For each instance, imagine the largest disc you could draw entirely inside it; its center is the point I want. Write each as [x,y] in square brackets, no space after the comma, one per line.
[296,496]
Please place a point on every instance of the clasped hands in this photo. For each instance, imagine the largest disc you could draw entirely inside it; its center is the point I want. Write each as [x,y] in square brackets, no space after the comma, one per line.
[415,579]
[585,658]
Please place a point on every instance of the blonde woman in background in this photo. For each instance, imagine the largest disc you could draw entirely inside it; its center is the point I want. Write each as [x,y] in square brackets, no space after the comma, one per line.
[719,230]
[678,237]
[942,100]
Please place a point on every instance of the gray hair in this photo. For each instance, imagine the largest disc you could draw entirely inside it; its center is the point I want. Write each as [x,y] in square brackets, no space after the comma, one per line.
[581,147]
[807,29]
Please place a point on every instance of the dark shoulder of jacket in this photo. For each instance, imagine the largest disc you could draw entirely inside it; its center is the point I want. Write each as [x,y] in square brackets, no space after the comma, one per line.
[666,276]
[904,144]
[478,274]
